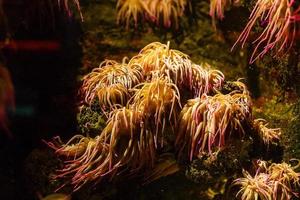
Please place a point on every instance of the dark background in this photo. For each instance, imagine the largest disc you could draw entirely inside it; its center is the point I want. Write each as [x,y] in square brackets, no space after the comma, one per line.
[43,58]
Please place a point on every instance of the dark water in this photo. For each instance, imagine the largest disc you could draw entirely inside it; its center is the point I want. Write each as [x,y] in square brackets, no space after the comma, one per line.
[45,88]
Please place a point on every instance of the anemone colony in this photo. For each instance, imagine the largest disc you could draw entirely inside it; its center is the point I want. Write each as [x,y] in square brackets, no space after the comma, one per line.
[279,20]
[162,12]
[141,100]
[276,181]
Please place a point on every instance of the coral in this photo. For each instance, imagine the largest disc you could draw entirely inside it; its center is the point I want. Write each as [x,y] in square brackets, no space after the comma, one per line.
[221,163]
[90,120]
[280,19]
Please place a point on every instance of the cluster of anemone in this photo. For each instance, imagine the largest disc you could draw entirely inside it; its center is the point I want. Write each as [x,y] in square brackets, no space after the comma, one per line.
[280,21]
[141,100]
[274,181]
[161,12]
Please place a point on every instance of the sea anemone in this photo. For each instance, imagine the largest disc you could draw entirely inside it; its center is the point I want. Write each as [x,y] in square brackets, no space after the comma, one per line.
[84,154]
[110,82]
[254,188]
[166,11]
[130,142]
[279,18]
[73,148]
[160,99]
[268,135]
[128,9]
[203,80]
[151,57]
[285,180]
[207,122]
[276,181]
[124,144]
[157,58]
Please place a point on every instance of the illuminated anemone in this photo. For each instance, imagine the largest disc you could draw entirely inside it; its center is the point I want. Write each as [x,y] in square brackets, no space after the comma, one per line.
[285,180]
[71,148]
[276,181]
[151,58]
[123,144]
[159,11]
[127,127]
[166,11]
[110,83]
[83,155]
[280,18]
[157,58]
[254,188]
[268,135]
[128,9]
[202,80]
[207,122]
[159,99]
